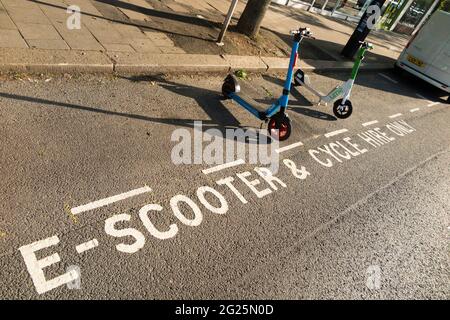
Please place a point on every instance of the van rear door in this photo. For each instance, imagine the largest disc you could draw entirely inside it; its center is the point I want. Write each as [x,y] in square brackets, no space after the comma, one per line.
[426,48]
[439,68]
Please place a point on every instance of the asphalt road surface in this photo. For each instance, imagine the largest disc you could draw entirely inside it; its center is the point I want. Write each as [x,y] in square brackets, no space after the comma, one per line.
[92,204]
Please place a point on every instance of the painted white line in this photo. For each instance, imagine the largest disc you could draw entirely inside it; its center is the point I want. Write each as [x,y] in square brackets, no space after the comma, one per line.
[107,201]
[414,110]
[289,147]
[432,104]
[421,96]
[223,166]
[335,133]
[388,78]
[365,124]
[87,246]
[395,115]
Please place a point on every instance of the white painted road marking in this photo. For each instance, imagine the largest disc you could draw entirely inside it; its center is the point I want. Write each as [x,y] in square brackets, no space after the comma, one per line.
[414,110]
[87,246]
[395,115]
[421,96]
[388,78]
[432,104]
[223,166]
[109,200]
[335,133]
[289,147]
[35,265]
[365,124]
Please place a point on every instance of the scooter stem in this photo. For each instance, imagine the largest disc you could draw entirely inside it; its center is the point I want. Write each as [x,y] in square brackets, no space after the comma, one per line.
[359,58]
[284,99]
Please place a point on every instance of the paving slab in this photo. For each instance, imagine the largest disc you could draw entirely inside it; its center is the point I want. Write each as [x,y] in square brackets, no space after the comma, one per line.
[49,44]
[78,39]
[54,9]
[178,8]
[26,4]
[129,31]
[6,22]
[172,49]
[159,38]
[144,45]
[102,30]
[33,31]
[11,39]
[141,3]
[130,9]
[219,5]
[198,5]
[19,14]
[86,7]
[117,47]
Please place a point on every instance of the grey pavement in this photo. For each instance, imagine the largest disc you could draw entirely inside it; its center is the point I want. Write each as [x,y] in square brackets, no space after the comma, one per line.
[154,29]
[372,225]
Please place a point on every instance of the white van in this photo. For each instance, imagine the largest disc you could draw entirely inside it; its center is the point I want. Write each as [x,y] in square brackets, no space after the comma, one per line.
[427,55]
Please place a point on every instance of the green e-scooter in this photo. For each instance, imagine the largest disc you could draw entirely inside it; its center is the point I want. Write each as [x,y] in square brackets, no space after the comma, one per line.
[342,108]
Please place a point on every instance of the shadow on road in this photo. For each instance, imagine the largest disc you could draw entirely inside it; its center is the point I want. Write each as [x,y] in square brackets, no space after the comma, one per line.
[210,101]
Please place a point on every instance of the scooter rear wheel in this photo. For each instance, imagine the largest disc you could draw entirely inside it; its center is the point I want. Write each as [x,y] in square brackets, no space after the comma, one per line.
[280,127]
[227,88]
[342,111]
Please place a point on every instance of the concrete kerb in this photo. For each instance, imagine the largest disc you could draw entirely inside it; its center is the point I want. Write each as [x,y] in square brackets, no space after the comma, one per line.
[63,61]
[66,61]
[140,63]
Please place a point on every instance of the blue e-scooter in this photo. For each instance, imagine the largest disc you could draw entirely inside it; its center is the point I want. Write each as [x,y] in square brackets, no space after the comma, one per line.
[279,126]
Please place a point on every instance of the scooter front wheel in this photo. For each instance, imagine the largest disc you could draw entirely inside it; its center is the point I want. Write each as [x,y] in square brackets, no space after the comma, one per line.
[342,110]
[280,127]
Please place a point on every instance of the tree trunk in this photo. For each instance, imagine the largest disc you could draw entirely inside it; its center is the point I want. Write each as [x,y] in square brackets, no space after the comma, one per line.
[251,19]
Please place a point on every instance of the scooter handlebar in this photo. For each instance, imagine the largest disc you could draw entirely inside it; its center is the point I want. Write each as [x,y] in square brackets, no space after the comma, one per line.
[304,32]
[366,45]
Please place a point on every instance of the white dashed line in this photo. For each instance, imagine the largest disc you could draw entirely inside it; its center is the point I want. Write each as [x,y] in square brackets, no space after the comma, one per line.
[366,124]
[414,110]
[388,78]
[432,104]
[335,133]
[421,96]
[395,115]
[289,147]
[109,200]
[223,166]
[87,246]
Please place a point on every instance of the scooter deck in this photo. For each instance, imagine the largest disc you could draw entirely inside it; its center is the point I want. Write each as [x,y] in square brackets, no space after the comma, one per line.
[245,98]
